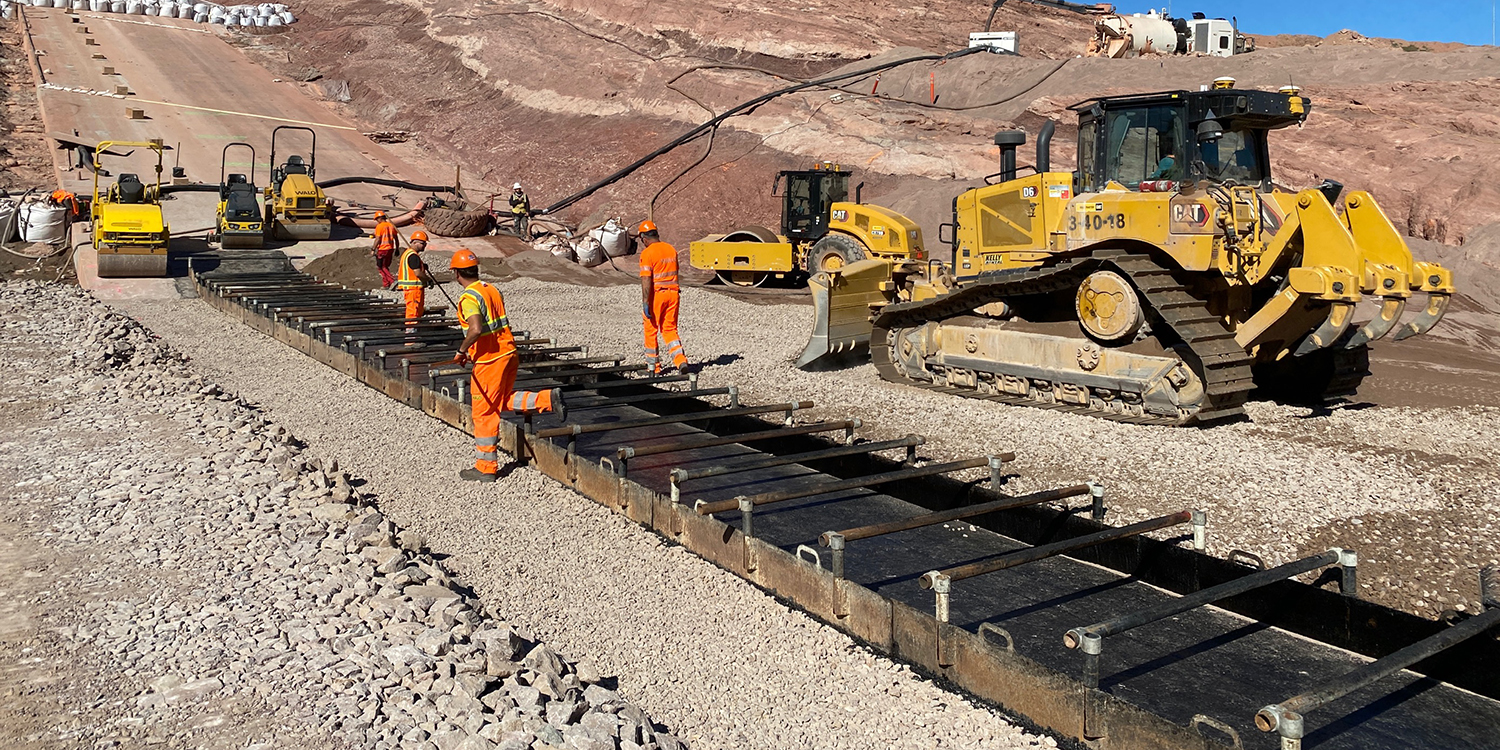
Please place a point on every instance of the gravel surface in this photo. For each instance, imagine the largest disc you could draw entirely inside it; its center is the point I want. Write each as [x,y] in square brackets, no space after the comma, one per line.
[179,570]
[1408,488]
[720,662]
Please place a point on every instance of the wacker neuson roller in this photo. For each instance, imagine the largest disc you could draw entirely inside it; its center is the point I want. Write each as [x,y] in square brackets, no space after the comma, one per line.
[1161,282]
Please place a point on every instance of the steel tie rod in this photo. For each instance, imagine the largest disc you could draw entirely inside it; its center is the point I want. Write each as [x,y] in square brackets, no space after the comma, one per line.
[697,416]
[766,498]
[1285,718]
[848,426]
[663,396]
[624,382]
[579,373]
[968,511]
[1032,554]
[1091,638]
[569,362]
[678,476]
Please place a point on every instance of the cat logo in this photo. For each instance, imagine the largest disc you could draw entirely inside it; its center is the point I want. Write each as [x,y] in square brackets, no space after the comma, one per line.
[840,215]
[1195,214]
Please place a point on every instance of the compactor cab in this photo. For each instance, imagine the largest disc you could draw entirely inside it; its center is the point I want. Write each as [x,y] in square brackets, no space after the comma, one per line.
[240,220]
[821,230]
[130,234]
[1160,282]
[296,208]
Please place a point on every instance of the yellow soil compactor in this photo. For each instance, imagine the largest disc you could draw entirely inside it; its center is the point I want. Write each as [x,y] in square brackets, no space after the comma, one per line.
[239,222]
[1160,283]
[296,208]
[820,231]
[130,235]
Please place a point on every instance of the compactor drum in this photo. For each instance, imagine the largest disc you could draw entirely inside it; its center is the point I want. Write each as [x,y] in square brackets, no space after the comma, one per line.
[130,235]
[1160,283]
[296,208]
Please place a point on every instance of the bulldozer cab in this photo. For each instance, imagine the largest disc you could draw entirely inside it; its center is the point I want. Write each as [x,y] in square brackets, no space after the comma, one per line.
[1156,142]
[807,204]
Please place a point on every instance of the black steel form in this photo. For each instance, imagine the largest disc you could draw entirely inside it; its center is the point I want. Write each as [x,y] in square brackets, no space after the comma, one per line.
[622,419]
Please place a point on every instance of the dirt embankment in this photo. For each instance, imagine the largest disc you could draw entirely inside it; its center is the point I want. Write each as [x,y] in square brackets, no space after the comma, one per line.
[558,95]
[25,159]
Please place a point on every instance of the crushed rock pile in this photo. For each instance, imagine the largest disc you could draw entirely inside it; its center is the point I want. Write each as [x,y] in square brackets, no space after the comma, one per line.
[250,581]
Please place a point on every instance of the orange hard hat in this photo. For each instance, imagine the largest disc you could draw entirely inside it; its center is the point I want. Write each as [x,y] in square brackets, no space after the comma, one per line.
[647,226]
[419,235]
[380,214]
[464,258]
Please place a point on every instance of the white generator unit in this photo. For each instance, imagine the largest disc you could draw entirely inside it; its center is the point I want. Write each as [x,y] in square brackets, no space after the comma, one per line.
[1215,37]
[1002,42]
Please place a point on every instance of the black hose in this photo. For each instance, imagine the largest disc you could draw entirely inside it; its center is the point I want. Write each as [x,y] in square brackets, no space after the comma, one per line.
[991,19]
[337,181]
[742,107]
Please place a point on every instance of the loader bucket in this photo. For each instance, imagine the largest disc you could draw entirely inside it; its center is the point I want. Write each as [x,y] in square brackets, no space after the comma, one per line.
[842,303]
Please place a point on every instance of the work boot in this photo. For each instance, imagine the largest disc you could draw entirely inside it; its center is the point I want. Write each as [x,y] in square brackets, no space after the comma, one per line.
[474,475]
[559,407]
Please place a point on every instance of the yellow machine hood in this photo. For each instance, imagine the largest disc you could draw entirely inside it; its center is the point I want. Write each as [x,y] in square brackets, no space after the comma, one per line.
[129,217]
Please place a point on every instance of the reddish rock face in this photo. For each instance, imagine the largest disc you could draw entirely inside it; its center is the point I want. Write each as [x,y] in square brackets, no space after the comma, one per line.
[564,94]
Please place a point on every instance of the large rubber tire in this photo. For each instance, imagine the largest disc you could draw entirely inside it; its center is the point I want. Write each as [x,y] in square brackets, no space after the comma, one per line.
[833,252]
[448,222]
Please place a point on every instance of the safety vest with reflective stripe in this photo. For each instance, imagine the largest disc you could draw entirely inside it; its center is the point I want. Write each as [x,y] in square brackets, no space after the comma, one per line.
[495,339]
[659,262]
[385,236]
[407,278]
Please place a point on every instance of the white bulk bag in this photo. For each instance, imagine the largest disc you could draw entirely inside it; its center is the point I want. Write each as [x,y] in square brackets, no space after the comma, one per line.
[43,223]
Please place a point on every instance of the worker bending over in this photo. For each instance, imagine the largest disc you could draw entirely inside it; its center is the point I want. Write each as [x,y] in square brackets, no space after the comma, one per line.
[659,298]
[413,277]
[490,347]
[384,248]
[520,212]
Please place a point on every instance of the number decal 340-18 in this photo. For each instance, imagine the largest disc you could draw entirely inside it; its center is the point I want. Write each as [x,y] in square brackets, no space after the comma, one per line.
[1097,222]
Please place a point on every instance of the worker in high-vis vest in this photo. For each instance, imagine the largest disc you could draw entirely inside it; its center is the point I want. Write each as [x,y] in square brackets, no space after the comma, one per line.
[491,348]
[659,299]
[384,248]
[413,277]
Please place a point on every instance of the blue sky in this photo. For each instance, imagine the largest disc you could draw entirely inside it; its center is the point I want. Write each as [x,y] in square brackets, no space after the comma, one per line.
[1465,21]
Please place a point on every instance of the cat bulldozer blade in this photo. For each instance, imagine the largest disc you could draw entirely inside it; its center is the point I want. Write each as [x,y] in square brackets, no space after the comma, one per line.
[1161,282]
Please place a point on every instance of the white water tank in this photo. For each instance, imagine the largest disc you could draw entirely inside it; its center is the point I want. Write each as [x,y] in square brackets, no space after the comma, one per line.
[43,223]
[1136,34]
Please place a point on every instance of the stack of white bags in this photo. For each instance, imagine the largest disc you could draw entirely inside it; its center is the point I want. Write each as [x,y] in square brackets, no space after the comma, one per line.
[263,14]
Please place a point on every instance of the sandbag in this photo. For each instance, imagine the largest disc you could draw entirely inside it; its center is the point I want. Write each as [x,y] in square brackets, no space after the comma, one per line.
[590,253]
[41,222]
[614,238]
[117,6]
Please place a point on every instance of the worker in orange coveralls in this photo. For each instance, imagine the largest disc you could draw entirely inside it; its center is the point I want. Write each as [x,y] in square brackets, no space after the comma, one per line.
[413,278]
[660,298]
[490,347]
[384,248]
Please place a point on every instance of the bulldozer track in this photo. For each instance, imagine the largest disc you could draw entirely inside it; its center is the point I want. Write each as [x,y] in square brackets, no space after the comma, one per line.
[826,522]
[1222,365]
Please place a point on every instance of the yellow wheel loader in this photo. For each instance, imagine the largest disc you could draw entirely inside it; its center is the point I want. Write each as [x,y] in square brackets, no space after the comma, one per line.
[820,231]
[130,235]
[296,208]
[240,220]
[1159,283]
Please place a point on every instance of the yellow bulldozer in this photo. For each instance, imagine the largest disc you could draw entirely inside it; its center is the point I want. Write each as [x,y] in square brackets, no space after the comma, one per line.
[820,231]
[296,208]
[130,234]
[1160,283]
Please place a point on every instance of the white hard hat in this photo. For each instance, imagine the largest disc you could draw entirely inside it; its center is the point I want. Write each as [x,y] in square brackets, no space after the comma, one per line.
[517,186]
